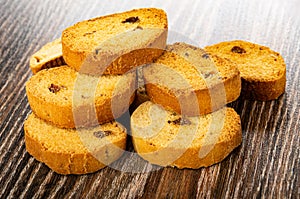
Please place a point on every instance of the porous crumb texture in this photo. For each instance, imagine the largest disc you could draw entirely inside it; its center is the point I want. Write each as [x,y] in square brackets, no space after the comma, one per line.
[71,151]
[64,97]
[49,56]
[263,71]
[165,138]
[183,71]
[116,43]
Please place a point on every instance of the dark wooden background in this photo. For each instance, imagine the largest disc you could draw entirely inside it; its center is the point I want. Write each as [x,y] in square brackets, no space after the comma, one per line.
[266,165]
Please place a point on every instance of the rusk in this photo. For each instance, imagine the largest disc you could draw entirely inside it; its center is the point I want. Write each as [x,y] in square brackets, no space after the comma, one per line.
[263,71]
[187,80]
[71,151]
[49,56]
[167,139]
[68,99]
[116,43]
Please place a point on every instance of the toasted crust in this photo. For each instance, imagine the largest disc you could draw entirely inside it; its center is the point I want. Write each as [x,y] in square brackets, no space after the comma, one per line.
[52,97]
[188,81]
[104,45]
[263,71]
[168,139]
[49,56]
[70,151]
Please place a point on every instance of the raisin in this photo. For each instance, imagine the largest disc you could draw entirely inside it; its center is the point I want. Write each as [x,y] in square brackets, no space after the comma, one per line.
[177,121]
[89,33]
[187,54]
[55,88]
[102,134]
[237,49]
[84,97]
[99,134]
[180,121]
[97,50]
[205,56]
[194,47]
[107,132]
[131,20]
[207,75]
[170,49]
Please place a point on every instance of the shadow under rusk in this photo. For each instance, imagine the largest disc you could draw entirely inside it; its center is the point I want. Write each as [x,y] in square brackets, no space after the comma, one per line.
[130,161]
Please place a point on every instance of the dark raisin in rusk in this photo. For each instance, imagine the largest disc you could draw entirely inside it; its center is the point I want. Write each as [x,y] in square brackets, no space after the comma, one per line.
[206,75]
[54,88]
[205,56]
[181,121]
[131,20]
[99,134]
[97,51]
[237,49]
[177,121]
[102,134]
[107,132]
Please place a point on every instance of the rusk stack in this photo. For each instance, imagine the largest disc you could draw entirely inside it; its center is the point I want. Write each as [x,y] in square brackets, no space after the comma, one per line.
[72,128]
[187,124]
[87,78]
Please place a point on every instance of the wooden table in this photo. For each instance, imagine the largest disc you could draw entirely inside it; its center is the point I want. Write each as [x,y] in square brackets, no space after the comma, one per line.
[266,165]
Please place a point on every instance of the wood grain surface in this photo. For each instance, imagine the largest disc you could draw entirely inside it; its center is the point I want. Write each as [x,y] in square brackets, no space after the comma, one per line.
[266,165]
